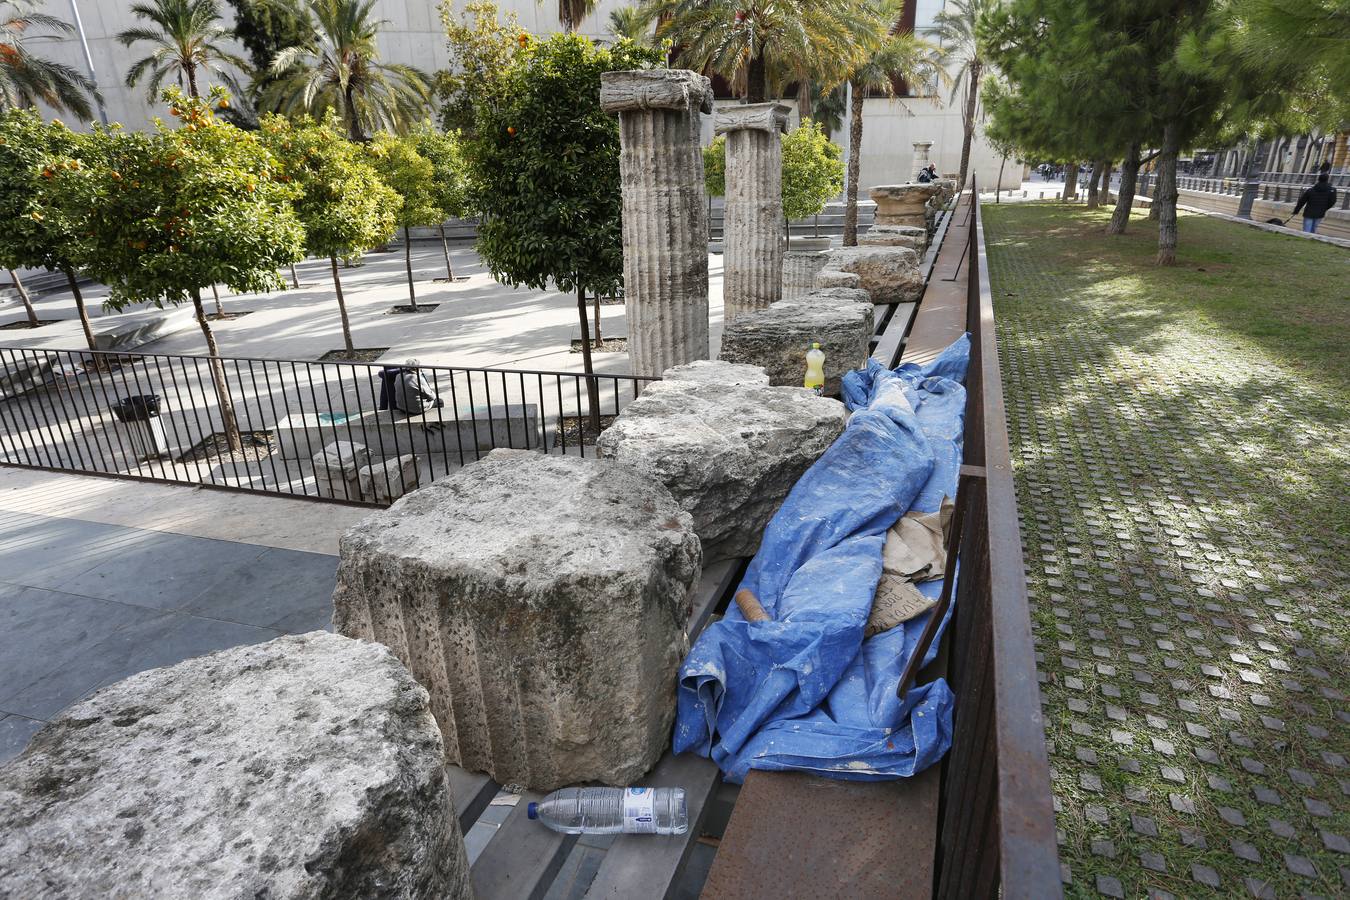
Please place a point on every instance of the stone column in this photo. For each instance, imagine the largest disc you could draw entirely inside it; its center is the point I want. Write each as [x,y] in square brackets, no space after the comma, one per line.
[665,214]
[921,149]
[753,229]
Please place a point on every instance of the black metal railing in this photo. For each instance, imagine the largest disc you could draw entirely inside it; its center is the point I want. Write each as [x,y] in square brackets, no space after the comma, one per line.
[997,831]
[1277,187]
[322,430]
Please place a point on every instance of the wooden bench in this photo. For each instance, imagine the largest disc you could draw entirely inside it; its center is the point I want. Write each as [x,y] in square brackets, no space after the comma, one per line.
[523,858]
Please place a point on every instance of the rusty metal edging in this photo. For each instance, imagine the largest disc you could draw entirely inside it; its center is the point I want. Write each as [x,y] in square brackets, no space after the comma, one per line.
[1029,859]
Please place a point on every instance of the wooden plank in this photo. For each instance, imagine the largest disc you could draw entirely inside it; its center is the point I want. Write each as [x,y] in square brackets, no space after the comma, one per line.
[797,835]
[712,587]
[941,317]
[887,351]
[472,792]
[522,859]
[644,865]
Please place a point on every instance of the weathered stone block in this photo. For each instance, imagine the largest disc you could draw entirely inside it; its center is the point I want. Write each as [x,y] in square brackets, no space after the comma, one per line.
[337,469]
[799,272]
[729,453]
[829,279]
[305,767]
[387,480]
[777,338]
[915,239]
[541,600]
[902,204]
[715,371]
[889,274]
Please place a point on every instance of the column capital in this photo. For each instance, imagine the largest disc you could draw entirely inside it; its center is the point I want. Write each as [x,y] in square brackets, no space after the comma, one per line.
[635,90]
[769,117]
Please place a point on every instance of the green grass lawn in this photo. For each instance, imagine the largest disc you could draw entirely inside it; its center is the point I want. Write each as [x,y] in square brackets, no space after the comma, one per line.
[1181,446]
[1288,295]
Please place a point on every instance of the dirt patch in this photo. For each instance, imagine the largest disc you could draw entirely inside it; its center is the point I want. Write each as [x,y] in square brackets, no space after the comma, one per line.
[15,326]
[406,308]
[360,354]
[255,445]
[570,428]
[607,345]
[458,279]
[229,316]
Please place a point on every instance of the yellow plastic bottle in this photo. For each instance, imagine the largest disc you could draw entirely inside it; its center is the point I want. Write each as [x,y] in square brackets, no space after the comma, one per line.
[815,369]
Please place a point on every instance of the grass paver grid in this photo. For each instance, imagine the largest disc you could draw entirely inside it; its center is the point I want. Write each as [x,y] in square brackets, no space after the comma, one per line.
[1181,482]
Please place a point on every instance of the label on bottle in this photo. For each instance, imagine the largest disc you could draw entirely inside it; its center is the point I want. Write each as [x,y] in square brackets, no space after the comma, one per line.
[639,812]
[819,390]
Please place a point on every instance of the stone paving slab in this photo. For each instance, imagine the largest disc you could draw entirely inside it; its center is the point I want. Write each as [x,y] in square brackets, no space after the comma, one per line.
[84,604]
[1189,612]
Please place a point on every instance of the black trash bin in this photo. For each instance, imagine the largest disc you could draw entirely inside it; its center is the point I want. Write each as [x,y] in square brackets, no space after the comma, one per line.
[139,415]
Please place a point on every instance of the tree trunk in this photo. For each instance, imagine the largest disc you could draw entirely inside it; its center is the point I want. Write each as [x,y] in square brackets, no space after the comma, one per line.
[1129,174]
[220,310]
[342,308]
[192,79]
[968,120]
[1106,183]
[804,99]
[407,264]
[79,307]
[24,298]
[592,386]
[227,418]
[855,133]
[1165,198]
[757,80]
[598,338]
[1093,197]
[1070,181]
[295,279]
[445,248]
[998,186]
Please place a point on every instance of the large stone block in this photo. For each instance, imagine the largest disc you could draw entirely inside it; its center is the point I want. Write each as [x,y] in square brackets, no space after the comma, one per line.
[915,239]
[541,600]
[715,371]
[903,204]
[729,453]
[889,274]
[799,272]
[777,338]
[305,767]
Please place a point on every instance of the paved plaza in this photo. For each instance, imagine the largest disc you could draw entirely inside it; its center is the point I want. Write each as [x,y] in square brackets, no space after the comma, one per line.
[1182,491]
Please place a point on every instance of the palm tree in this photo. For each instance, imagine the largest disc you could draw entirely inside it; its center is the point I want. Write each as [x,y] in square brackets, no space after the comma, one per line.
[957,31]
[900,56]
[187,36]
[339,68]
[25,78]
[571,12]
[630,22]
[743,40]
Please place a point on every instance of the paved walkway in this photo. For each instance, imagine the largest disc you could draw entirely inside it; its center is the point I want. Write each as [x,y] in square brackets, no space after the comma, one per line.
[1189,600]
[100,579]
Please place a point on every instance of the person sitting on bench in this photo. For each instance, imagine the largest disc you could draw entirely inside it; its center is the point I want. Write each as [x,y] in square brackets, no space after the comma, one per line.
[406,390]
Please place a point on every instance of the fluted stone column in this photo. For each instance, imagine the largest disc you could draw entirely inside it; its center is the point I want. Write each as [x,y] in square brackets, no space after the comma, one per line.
[753,229]
[665,215]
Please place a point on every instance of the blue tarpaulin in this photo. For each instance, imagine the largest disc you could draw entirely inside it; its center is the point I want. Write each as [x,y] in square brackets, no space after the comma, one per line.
[805,690]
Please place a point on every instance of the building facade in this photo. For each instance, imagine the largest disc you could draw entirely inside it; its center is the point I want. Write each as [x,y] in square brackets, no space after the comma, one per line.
[412,34]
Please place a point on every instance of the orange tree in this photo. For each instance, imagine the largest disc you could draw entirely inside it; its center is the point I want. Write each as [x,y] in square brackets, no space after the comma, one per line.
[412,176]
[344,205]
[164,214]
[544,171]
[32,236]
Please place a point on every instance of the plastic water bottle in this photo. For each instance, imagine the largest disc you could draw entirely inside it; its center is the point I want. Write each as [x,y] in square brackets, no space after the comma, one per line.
[605,810]
[815,369]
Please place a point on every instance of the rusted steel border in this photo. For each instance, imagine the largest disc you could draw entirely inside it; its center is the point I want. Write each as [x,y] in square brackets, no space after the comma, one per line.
[998,828]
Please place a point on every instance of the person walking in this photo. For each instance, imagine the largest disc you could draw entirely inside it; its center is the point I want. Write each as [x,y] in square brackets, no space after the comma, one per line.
[1315,202]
